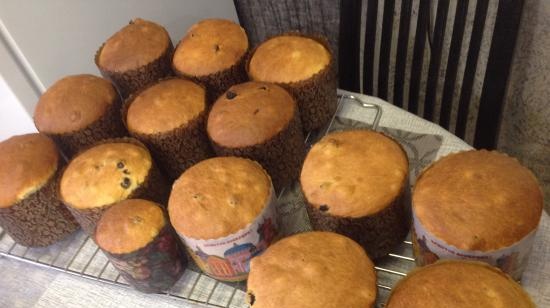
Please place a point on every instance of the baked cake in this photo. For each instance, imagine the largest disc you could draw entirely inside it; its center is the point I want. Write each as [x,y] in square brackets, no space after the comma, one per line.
[109,172]
[223,208]
[259,121]
[137,238]
[212,53]
[29,209]
[137,55]
[78,111]
[170,118]
[314,270]
[478,205]
[304,66]
[356,183]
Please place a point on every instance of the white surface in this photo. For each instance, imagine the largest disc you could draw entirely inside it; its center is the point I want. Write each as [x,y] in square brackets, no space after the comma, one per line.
[14,120]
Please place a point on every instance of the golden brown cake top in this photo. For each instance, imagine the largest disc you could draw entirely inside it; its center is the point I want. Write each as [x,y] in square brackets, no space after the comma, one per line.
[218,197]
[312,269]
[210,46]
[73,103]
[250,113]
[354,173]
[135,45]
[104,174]
[27,162]
[288,58]
[478,200]
[129,225]
[173,102]
[458,284]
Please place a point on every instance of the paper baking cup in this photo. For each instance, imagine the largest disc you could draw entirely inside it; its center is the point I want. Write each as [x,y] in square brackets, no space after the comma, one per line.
[281,156]
[40,219]
[154,188]
[315,96]
[378,233]
[154,268]
[512,260]
[128,82]
[228,258]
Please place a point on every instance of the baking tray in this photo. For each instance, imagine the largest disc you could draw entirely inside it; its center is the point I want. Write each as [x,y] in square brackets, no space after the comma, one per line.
[78,255]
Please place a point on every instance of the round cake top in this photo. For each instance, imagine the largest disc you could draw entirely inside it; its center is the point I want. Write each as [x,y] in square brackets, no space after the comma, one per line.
[173,102]
[73,103]
[210,46]
[27,162]
[104,174]
[218,197]
[135,45]
[250,113]
[354,173]
[312,269]
[288,58]
[129,225]
[458,284]
[478,200]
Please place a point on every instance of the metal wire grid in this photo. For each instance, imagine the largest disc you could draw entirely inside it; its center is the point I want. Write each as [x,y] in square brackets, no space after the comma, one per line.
[78,255]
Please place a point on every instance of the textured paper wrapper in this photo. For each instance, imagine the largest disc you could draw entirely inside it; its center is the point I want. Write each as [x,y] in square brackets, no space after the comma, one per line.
[109,125]
[154,268]
[178,149]
[281,156]
[512,260]
[378,234]
[40,219]
[217,83]
[316,96]
[130,81]
[154,188]
[228,258]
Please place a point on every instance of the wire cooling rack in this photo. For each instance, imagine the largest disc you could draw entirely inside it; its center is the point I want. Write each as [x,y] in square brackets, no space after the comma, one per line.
[78,255]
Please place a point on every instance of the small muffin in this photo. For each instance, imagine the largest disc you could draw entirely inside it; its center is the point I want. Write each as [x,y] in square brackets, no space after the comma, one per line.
[212,53]
[223,208]
[356,183]
[29,210]
[314,270]
[78,111]
[305,67]
[109,172]
[135,56]
[176,133]
[259,121]
[477,205]
[458,284]
[136,237]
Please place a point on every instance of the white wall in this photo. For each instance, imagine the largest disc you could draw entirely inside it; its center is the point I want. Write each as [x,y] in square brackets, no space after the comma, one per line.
[42,41]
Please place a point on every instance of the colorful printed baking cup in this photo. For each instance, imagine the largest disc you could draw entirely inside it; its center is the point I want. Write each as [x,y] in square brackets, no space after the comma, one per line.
[476,205]
[212,53]
[137,55]
[138,240]
[176,133]
[108,172]
[223,209]
[304,66]
[78,111]
[29,210]
[355,183]
[457,284]
[315,270]
[259,121]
